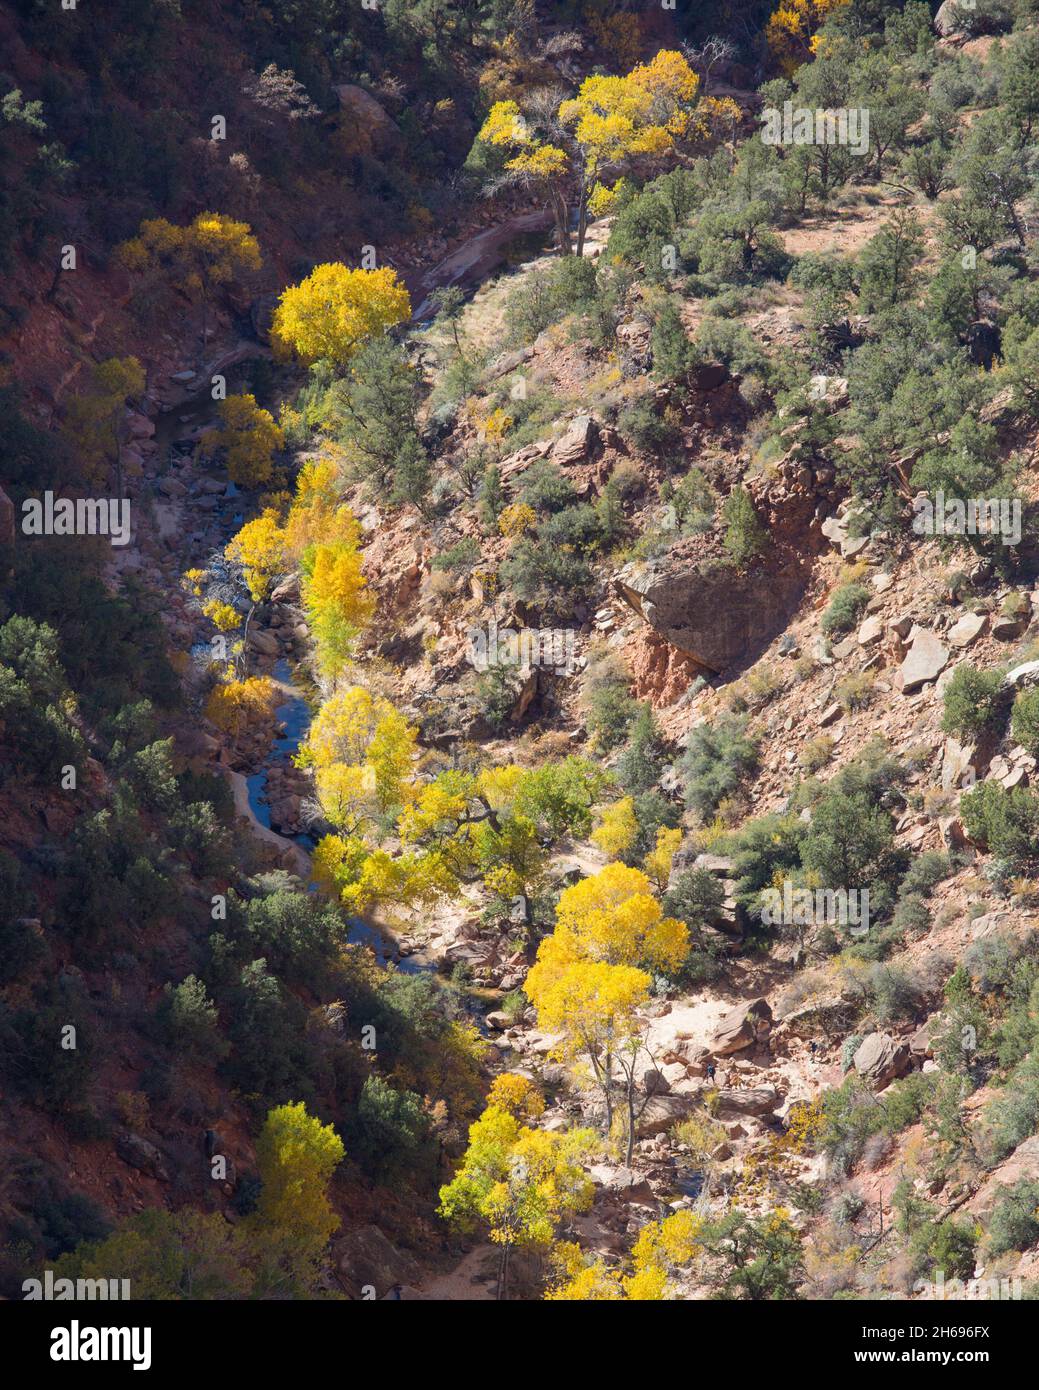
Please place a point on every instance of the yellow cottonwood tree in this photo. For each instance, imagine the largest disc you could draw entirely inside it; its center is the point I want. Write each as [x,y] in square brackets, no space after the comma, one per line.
[334,596]
[614,917]
[296,1155]
[618,829]
[336,310]
[658,861]
[592,135]
[368,738]
[518,1182]
[259,547]
[661,1248]
[94,420]
[249,436]
[245,706]
[210,251]
[790,31]
[594,1006]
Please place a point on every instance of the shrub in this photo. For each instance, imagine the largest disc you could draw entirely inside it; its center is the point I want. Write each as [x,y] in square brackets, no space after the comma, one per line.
[973,702]
[745,536]
[946,1246]
[912,915]
[895,994]
[1024,720]
[926,872]
[392,1131]
[190,1020]
[640,765]
[548,576]
[1007,822]
[611,708]
[854,692]
[845,608]
[496,692]
[1013,1116]
[650,431]
[848,841]
[1014,1224]
[673,353]
[545,487]
[458,557]
[718,758]
[695,897]
[816,753]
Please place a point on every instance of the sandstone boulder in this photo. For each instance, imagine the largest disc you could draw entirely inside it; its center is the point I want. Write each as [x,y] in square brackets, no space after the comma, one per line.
[748,1100]
[714,613]
[968,629]
[880,1059]
[925,660]
[366,1258]
[742,1027]
[661,1112]
[578,443]
[142,1155]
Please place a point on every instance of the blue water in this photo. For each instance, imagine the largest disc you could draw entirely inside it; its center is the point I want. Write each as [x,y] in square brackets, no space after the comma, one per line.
[295,714]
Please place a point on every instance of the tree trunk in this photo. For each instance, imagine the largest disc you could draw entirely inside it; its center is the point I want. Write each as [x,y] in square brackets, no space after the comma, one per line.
[630,1151]
[582,222]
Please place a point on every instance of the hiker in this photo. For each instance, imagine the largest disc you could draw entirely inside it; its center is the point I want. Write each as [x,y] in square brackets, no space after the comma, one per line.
[812,1048]
[710,1071]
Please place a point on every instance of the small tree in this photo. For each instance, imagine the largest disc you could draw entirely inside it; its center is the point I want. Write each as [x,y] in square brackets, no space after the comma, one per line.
[745,536]
[517,1181]
[210,251]
[249,436]
[95,419]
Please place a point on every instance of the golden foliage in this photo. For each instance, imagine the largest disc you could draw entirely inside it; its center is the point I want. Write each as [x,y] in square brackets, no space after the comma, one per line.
[335,311]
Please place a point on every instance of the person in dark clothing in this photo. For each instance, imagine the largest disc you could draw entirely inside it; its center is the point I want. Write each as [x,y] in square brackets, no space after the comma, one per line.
[813,1047]
[710,1071]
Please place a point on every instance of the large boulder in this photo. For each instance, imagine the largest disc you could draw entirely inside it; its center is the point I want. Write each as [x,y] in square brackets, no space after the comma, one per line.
[262,641]
[879,1059]
[747,1100]
[925,660]
[370,127]
[142,1155]
[710,610]
[744,1026]
[949,20]
[831,1017]
[366,1258]
[661,1112]
[578,443]
[1021,1166]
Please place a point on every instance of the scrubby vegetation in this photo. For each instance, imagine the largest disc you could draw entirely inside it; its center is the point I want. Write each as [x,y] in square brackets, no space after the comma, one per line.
[386,842]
